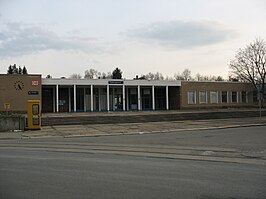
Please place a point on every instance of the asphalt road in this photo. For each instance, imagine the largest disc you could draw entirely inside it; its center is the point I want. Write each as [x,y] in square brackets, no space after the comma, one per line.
[246,138]
[230,164]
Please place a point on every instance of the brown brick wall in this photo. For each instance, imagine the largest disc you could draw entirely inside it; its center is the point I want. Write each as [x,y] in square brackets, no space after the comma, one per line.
[18,89]
[174,97]
[213,87]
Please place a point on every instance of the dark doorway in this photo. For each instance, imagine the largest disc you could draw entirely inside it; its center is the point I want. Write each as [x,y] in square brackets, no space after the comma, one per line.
[160,98]
[47,99]
[146,99]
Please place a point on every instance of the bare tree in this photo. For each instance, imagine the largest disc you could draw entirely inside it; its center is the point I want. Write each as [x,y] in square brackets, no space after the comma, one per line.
[103,75]
[75,76]
[169,78]
[91,74]
[198,77]
[249,65]
[178,76]
[186,74]
[99,75]
[109,75]
[154,76]
[219,78]
[158,76]
[150,76]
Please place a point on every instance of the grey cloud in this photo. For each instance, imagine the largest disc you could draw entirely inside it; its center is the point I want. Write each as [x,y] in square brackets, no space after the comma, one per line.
[21,39]
[182,34]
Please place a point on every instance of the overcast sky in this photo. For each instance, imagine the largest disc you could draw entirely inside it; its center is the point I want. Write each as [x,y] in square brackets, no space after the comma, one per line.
[62,37]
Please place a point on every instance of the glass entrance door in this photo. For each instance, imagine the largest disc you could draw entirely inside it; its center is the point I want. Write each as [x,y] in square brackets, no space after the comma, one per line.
[118,102]
[146,99]
[133,99]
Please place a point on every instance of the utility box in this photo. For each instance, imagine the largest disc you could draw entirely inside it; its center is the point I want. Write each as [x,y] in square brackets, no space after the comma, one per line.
[34,114]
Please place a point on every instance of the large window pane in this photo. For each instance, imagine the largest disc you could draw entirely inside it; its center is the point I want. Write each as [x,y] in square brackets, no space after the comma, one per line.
[203,97]
[244,97]
[224,97]
[234,97]
[191,97]
[214,97]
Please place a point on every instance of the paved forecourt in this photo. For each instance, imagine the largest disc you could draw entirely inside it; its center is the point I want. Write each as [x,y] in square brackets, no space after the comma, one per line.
[132,128]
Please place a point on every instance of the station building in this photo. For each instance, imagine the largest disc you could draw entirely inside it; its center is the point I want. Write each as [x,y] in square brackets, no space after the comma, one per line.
[84,95]
[90,95]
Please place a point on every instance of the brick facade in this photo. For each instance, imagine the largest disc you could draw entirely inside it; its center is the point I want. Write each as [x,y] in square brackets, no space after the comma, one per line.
[16,90]
[218,95]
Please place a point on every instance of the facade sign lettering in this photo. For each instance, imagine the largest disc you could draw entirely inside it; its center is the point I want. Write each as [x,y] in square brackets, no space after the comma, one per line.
[35,83]
[33,93]
[115,82]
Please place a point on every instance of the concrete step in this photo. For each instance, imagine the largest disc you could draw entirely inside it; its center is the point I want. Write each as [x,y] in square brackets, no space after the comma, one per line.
[104,118]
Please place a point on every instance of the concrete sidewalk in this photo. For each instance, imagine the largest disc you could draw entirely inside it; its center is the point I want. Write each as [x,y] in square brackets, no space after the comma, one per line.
[65,131]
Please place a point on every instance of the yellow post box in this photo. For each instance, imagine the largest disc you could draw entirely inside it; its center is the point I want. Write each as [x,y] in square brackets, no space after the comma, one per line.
[34,114]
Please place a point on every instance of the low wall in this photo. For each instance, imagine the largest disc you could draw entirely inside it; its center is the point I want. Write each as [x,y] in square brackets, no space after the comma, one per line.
[12,122]
[126,117]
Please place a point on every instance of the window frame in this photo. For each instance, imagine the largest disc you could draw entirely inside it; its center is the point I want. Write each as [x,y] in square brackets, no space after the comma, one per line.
[217,97]
[246,97]
[188,97]
[227,100]
[232,97]
[206,97]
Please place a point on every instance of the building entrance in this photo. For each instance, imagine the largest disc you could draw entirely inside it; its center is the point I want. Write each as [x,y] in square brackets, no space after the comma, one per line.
[146,99]
[118,102]
[160,98]
[133,99]
[116,99]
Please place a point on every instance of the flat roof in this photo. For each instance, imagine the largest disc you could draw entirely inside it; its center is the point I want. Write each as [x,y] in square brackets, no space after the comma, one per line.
[104,82]
[20,75]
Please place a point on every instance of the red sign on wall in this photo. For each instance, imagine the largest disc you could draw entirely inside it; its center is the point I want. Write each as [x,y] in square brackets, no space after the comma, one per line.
[34,83]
